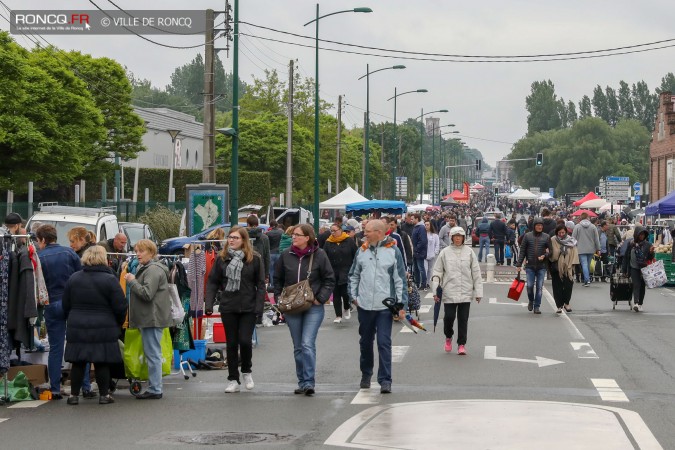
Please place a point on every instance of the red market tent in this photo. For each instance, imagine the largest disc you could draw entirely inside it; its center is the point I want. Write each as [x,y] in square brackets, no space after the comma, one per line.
[581,211]
[456,195]
[590,196]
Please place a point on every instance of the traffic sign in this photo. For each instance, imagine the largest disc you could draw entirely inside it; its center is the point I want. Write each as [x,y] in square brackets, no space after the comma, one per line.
[617,179]
[637,198]
[637,186]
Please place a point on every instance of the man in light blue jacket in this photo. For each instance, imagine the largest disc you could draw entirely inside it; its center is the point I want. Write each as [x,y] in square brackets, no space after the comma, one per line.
[378,272]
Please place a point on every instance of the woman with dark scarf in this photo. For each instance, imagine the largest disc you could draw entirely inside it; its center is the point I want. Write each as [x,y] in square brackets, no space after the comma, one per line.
[293,267]
[239,273]
[340,250]
[564,256]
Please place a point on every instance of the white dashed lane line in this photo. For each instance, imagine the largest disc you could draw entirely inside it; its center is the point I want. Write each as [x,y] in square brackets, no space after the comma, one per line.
[584,350]
[609,390]
[3,420]
[30,404]
[424,309]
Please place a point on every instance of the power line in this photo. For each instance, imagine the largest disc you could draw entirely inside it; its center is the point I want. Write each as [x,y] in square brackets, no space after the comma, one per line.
[544,55]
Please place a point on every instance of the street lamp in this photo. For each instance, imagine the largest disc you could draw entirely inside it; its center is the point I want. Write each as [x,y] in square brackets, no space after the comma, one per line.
[173,134]
[445,182]
[397,148]
[316,105]
[422,149]
[366,181]
[433,156]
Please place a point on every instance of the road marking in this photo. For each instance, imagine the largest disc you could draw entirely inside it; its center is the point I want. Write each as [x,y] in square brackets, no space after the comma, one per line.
[491,353]
[429,295]
[28,404]
[405,329]
[609,390]
[424,309]
[398,352]
[584,350]
[493,301]
[3,420]
[574,331]
[367,397]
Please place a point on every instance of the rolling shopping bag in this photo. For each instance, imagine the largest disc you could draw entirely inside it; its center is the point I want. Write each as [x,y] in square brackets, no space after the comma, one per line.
[516,288]
[135,364]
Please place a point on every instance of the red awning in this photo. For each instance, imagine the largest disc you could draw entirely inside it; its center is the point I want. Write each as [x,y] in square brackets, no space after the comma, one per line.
[590,196]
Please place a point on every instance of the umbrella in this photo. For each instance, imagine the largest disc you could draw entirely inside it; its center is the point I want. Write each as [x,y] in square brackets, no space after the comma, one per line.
[579,212]
[414,323]
[437,305]
[394,308]
[595,203]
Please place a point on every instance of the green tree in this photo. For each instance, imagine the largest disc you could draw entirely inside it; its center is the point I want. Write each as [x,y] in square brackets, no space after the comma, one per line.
[645,104]
[585,107]
[187,81]
[667,84]
[627,111]
[613,113]
[600,107]
[542,108]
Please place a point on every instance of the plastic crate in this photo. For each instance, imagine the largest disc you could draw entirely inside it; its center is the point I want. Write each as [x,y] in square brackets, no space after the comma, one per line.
[198,353]
[219,333]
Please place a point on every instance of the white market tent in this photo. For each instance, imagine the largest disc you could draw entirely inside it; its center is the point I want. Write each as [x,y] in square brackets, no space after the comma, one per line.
[342,199]
[595,203]
[523,194]
[418,208]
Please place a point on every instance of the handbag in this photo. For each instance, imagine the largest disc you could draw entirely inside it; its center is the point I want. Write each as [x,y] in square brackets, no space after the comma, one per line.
[654,275]
[177,311]
[591,266]
[516,288]
[507,252]
[299,297]
[135,363]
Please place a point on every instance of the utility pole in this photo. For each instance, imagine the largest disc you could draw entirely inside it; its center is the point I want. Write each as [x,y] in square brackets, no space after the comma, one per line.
[382,163]
[289,148]
[209,146]
[363,163]
[234,177]
[339,142]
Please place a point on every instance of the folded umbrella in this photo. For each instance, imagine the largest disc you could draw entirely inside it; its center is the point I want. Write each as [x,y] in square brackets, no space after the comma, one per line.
[394,307]
[414,322]
[437,304]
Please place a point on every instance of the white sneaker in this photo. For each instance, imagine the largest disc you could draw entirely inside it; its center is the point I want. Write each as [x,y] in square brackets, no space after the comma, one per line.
[248,381]
[232,386]
[338,320]
[347,314]
[640,308]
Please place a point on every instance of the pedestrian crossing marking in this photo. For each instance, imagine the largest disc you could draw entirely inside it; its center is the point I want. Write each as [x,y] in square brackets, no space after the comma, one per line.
[584,350]
[609,390]
[367,396]
[398,352]
[429,295]
[3,420]
[424,309]
[28,404]
[405,329]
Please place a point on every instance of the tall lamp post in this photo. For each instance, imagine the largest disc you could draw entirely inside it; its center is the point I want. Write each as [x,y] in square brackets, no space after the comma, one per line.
[397,147]
[443,160]
[366,184]
[433,157]
[173,134]
[422,149]
[316,105]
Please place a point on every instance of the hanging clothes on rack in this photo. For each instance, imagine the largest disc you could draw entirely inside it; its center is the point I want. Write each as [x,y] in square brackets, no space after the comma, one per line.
[195,275]
[22,302]
[5,348]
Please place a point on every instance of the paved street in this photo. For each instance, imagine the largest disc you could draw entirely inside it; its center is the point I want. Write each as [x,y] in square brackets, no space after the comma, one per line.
[594,378]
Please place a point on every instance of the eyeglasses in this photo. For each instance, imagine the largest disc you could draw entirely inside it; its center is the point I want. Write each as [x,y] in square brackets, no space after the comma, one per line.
[234,238]
[298,235]
[335,231]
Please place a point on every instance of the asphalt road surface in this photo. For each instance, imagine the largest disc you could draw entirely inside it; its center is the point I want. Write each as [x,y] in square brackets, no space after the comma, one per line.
[594,378]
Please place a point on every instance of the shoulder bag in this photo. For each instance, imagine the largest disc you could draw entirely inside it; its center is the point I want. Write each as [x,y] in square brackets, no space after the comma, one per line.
[299,297]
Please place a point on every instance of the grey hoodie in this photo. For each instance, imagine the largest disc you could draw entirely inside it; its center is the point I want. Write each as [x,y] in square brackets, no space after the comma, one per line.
[587,237]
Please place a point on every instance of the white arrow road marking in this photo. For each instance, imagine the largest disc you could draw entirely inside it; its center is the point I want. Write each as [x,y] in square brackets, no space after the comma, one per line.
[493,301]
[398,352]
[425,309]
[2,420]
[405,329]
[609,390]
[491,353]
[584,350]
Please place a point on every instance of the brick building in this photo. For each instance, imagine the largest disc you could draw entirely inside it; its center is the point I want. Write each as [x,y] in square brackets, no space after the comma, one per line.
[662,150]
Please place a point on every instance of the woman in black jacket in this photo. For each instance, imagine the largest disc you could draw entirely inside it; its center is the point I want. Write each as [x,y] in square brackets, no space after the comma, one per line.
[240,276]
[95,308]
[292,268]
[639,252]
[340,251]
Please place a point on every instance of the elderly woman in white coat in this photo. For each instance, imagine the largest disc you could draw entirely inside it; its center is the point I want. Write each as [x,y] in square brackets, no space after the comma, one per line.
[457,272]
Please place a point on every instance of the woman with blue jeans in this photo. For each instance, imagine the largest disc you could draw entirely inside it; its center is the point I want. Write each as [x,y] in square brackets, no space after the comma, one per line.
[293,267]
[58,264]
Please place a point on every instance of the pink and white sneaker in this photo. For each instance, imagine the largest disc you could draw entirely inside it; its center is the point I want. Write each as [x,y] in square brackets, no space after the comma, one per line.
[448,345]
[461,350]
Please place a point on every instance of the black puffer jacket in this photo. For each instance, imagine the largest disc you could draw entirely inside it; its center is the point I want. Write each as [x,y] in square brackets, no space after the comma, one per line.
[631,261]
[341,256]
[533,246]
[95,307]
[290,269]
[251,294]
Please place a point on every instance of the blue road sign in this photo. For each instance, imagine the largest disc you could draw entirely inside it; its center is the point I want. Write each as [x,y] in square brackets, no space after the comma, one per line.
[637,186]
[637,198]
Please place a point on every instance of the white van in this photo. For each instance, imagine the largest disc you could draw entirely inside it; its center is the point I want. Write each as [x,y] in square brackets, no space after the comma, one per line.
[102,221]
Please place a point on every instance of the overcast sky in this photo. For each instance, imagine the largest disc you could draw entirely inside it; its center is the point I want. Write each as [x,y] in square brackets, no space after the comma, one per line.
[486,100]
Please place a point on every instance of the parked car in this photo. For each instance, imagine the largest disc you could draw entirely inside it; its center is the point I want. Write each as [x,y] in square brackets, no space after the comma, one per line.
[474,236]
[174,246]
[135,232]
[102,221]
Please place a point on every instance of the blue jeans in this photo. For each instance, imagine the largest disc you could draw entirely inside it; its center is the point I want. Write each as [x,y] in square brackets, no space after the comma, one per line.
[483,242]
[533,275]
[152,348]
[273,259]
[304,328]
[55,321]
[585,261]
[499,252]
[419,274]
[371,324]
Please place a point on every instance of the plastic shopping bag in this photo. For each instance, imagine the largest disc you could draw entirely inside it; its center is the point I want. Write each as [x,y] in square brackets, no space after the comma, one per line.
[135,364]
[507,252]
[654,275]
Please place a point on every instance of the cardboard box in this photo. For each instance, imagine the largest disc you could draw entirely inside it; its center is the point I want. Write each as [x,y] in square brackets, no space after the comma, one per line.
[36,373]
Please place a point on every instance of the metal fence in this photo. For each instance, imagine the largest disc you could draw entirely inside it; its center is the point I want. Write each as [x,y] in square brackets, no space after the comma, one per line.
[126,211]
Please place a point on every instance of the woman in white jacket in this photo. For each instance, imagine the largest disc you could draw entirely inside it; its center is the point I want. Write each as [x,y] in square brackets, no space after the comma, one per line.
[433,246]
[457,272]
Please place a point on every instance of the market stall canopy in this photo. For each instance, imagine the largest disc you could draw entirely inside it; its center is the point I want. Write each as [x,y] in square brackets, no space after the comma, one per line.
[447,201]
[385,206]
[456,194]
[608,207]
[523,194]
[590,196]
[595,203]
[342,199]
[477,186]
[663,206]
[579,212]
[420,207]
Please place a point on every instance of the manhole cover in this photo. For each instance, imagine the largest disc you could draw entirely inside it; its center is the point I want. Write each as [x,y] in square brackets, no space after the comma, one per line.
[220,438]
